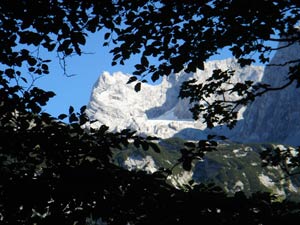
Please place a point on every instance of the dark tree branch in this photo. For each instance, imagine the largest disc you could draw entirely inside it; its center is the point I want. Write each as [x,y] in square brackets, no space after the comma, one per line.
[286,63]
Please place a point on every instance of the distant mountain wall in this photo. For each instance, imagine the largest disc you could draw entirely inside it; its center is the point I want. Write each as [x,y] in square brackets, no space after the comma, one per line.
[156,110]
[275,116]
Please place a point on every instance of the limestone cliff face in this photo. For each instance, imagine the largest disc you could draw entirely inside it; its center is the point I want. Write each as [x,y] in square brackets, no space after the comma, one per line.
[275,116]
[156,109]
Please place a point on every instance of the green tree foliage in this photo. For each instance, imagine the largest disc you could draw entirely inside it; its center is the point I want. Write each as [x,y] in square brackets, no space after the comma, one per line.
[56,172]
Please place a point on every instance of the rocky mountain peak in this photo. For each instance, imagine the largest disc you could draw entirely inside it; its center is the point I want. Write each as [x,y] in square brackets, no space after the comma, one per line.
[156,110]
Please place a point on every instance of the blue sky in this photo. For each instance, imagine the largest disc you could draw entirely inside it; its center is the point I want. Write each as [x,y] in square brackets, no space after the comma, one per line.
[76,90]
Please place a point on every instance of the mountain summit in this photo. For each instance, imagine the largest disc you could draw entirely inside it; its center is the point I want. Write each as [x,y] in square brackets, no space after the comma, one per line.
[156,110]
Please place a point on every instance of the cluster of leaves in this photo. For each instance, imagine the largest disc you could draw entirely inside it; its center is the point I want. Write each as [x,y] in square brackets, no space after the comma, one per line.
[196,151]
[211,99]
[55,26]
[182,35]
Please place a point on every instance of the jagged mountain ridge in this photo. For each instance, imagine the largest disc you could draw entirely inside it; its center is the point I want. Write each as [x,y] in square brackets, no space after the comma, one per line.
[156,110]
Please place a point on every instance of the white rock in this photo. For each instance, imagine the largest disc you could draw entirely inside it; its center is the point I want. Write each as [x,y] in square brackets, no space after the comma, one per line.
[140,163]
[155,110]
[266,181]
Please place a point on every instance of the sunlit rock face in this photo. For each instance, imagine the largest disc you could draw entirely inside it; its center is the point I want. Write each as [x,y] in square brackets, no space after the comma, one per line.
[156,110]
[274,117]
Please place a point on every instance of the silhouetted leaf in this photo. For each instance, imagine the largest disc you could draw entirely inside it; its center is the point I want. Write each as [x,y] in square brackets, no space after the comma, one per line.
[145,145]
[73,118]
[107,35]
[155,147]
[190,144]
[211,136]
[131,79]
[187,164]
[82,109]
[62,116]
[10,73]
[32,61]
[137,87]
[144,61]
[71,109]
[103,129]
